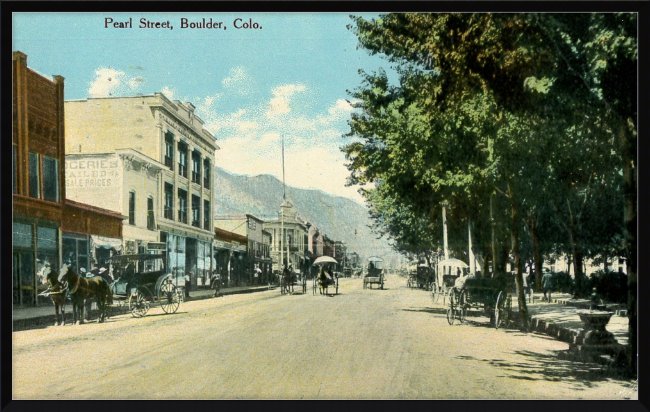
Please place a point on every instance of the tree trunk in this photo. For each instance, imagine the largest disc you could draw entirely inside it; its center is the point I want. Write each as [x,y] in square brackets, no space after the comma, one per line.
[486,262]
[627,141]
[537,255]
[494,236]
[576,251]
[521,297]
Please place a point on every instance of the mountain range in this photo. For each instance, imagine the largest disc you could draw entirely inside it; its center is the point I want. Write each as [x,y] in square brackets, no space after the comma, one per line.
[338,217]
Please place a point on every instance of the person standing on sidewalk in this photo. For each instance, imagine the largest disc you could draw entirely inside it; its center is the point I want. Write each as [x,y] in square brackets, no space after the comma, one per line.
[188,282]
[547,285]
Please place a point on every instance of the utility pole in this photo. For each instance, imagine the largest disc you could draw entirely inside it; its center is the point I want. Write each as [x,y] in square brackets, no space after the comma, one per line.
[444,228]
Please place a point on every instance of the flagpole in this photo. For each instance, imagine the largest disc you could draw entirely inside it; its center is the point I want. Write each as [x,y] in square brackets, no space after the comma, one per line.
[282,242]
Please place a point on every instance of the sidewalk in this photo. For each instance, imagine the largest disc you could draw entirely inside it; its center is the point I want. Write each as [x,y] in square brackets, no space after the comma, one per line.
[560,319]
[45,314]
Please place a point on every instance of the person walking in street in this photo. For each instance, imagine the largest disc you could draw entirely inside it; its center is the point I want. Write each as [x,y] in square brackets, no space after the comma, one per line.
[547,285]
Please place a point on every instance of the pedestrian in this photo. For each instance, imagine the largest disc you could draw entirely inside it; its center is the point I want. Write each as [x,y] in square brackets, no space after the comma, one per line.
[547,285]
[216,284]
[188,280]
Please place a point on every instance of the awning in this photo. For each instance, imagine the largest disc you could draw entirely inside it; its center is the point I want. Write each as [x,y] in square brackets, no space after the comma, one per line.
[105,242]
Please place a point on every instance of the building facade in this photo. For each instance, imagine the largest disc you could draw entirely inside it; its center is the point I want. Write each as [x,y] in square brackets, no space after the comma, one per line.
[289,240]
[43,220]
[230,257]
[170,138]
[258,257]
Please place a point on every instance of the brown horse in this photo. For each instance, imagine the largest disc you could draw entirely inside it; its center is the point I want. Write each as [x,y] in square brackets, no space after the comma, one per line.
[325,280]
[57,292]
[81,289]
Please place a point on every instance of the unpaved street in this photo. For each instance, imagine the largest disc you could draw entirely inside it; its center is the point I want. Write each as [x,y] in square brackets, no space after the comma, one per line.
[360,344]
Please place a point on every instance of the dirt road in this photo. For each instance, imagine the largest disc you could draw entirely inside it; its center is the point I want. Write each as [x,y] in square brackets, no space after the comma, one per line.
[360,344]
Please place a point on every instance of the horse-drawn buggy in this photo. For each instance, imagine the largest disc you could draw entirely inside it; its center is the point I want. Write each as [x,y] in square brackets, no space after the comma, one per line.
[290,279]
[421,276]
[325,278]
[375,275]
[488,295]
[141,280]
[448,271]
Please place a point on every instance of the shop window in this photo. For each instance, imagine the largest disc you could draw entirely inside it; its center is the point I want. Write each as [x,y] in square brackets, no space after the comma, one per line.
[132,207]
[169,201]
[182,206]
[47,251]
[196,211]
[151,222]
[34,176]
[206,173]
[75,253]
[50,179]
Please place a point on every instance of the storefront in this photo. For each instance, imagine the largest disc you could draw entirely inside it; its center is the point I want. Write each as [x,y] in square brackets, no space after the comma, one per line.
[35,248]
[231,259]
[187,255]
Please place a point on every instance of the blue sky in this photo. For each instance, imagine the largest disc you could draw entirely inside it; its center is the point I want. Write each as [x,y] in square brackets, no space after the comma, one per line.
[250,86]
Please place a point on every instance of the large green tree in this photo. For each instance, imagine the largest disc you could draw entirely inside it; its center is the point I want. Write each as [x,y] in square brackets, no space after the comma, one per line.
[511,102]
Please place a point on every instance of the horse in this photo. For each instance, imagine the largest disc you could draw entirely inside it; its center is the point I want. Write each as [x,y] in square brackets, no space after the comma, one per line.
[324,281]
[57,292]
[288,279]
[81,288]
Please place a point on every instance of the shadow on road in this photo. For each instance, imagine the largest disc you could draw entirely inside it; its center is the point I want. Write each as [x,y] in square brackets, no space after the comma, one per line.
[557,366]
[437,311]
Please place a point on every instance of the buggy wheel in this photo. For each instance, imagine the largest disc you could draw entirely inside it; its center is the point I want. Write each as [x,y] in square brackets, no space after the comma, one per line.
[462,306]
[168,297]
[435,294]
[500,310]
[450,307]
[138,305]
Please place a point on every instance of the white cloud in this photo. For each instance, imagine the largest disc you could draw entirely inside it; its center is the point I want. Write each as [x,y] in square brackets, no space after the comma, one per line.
[282,95]
[238,81]
[112,82]
[342,107]
[168,92]
[250,137]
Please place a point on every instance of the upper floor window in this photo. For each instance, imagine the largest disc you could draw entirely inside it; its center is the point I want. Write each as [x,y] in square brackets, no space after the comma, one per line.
[13,168]
[132,207]
[206,173]
[182,206]
[206,214]
[182,159]
[169,150]
[34,176]
[50,179]
[169,201]
[151,222]
[196,167]
[196,211]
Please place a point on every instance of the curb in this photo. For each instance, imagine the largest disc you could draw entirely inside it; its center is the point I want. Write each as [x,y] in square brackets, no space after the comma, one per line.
[116,309]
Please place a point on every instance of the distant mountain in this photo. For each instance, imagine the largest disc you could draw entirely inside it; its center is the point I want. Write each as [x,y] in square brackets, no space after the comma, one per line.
[335,216]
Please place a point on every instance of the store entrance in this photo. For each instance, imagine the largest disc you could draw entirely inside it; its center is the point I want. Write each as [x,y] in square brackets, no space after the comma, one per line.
[190,259]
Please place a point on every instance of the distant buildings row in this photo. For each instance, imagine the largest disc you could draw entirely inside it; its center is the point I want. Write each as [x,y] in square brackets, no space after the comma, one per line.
[138,178]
